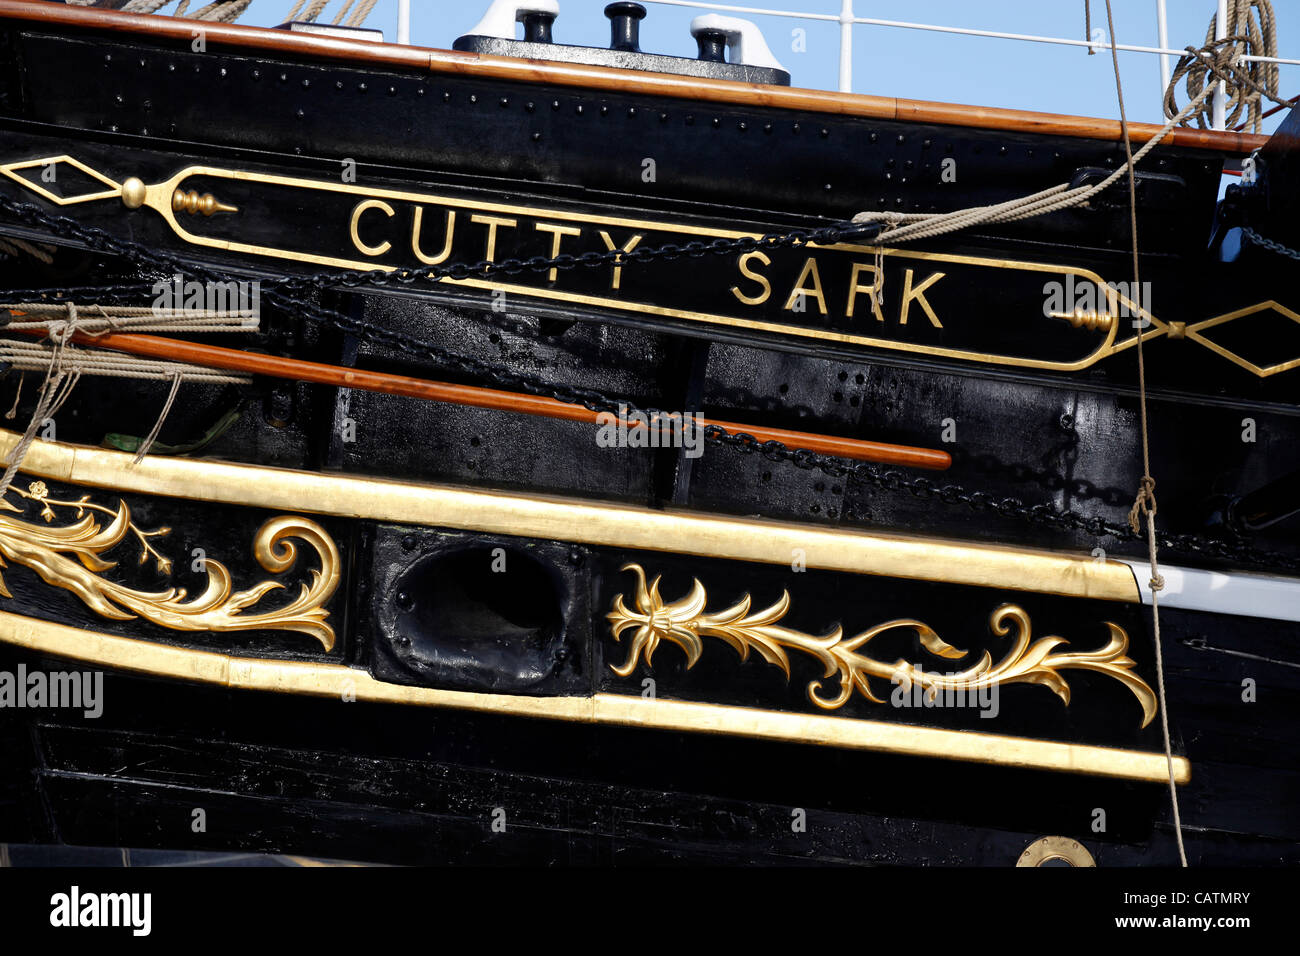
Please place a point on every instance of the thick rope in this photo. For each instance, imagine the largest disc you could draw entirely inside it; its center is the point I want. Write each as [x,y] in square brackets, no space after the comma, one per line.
[36,356]
[1251,30]
[926,225]
[40,251]
[223,11]
[56,388]
[314,8]
[362,11]
[146,6]
[97,319]
[64,363]
[1146,498]
[343,10]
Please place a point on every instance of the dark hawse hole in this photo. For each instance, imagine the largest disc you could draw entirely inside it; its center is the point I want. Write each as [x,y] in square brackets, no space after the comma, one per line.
[494,628]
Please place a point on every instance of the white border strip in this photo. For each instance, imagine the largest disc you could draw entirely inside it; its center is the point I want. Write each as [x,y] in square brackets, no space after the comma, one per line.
[1239,593]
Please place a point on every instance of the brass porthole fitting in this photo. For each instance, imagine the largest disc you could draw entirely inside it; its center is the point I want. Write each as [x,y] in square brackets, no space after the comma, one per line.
[1056,848]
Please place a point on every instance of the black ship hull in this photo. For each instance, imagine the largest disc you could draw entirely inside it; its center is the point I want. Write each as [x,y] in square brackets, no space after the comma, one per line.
[473,656]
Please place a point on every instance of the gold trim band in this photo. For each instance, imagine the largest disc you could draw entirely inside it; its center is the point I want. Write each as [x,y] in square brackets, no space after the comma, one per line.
[340,682]
[583,522]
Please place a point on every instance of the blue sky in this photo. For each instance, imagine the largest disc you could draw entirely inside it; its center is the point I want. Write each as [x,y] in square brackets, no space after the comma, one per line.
[890,61]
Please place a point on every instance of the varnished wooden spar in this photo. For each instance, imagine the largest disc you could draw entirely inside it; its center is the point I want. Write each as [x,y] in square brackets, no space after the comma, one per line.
[627,81]
[237,360]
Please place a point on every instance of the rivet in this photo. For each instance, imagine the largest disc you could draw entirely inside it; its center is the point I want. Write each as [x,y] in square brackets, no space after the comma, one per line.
[284,77]
[663,117]
[767,127]
[578,109]
[716,122]
[362,87]
[446,97]
[900,137]
[504,102]
[529,107]
[257,74]
[604,110]
[825,132]
[873,137]
[392,91]
[794,128]
[408,542]
[473,97]
[555,104]
[537,137]
[306,84]
[631,111]
[742,126]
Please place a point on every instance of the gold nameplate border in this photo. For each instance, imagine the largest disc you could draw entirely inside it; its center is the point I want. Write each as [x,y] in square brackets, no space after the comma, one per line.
[168,198]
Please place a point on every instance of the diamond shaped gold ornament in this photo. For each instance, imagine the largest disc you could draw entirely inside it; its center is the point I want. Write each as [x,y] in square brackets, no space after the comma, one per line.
[11,170]
[1195,332]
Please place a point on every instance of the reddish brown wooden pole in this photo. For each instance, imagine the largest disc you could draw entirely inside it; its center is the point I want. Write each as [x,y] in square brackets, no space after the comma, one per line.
[238,360]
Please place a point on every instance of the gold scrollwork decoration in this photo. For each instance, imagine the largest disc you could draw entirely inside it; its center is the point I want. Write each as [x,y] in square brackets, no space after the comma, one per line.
[70,556]
[684,622]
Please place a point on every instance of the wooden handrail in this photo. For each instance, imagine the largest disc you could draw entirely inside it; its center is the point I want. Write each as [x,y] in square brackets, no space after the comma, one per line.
[238,360]
[608,78]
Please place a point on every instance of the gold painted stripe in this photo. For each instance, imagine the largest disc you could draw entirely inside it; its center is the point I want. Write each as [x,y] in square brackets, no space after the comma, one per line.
[582,522]
[335,680]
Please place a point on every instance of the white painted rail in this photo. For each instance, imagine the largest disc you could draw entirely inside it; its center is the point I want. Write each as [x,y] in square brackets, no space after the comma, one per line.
[847,20]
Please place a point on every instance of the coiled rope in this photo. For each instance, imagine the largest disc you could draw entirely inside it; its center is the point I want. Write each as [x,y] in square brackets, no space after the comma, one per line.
[1251,30]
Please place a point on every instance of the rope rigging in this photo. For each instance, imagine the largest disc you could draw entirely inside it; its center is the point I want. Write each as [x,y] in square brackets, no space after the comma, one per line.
[1145,502]
[1250,30]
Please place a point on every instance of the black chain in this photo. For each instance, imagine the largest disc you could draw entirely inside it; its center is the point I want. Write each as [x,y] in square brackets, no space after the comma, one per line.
[1269,244]
[286,293]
